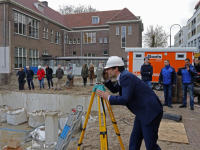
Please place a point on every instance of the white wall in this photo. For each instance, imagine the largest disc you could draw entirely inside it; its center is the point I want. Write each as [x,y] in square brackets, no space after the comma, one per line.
[2,59]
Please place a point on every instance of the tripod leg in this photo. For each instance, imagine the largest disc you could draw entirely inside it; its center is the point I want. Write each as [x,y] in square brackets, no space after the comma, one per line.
[114,122]
[103,131]
[86,120]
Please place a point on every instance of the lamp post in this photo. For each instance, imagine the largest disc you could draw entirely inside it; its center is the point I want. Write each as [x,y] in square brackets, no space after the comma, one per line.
[170,31]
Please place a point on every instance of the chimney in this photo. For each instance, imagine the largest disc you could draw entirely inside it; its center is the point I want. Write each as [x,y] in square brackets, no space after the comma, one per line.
[45,3]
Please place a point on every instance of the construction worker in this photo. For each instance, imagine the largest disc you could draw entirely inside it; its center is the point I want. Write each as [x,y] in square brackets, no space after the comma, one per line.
[138,98]
[147,72]
[168,77]
[188,72]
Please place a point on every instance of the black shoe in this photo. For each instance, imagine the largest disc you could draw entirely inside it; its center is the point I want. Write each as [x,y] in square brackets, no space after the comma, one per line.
[182,106]
[192,108]
[55,89]
[170,106]
[165,104]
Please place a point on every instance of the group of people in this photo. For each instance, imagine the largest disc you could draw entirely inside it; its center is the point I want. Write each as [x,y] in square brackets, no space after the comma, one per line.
[29,74]
[168,77]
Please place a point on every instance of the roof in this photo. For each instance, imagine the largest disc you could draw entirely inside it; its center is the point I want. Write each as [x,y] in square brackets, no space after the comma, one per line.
[48,12]
[85,19]
[197,5]
[161,49]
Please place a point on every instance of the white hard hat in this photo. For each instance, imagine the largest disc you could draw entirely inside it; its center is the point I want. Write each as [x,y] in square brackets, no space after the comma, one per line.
[114,61]
[39,67]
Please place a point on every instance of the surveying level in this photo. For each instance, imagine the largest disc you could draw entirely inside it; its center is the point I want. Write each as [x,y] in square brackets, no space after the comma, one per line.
[103,130]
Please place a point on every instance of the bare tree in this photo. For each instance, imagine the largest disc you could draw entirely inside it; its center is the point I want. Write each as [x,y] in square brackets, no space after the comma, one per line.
[155,37]
[71,9]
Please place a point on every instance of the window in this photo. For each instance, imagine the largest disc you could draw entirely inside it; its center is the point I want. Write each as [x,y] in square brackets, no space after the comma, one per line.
[47,30]
[129,30]
[193,32]
[89,55]
[100,40]
[195,43]
[20,57]
[51,36]
[20,23]
[33,57]
[66,39]
[78,41]
[74,41]
[33,28]
[89,37]
[95,20]
[117,30]
[123,37]
[180,56]
[70,41]
[105,52]
[40,8]
[74,53]
[189,44]
[105,40]
[138,55]
[57,38]
[44,32]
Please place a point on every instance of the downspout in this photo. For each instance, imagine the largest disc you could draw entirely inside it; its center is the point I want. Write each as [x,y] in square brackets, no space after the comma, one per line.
[81,41]
[64,42]
[4,29]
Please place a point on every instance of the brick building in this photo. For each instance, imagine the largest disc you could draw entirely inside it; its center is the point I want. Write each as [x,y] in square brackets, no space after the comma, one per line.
[29,29]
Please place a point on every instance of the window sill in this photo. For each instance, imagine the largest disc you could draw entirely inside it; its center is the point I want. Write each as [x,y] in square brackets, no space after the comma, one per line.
[89,43]
[78,43]
[105,54]
[34,38]
[20,34]
[57,44]
[51,42]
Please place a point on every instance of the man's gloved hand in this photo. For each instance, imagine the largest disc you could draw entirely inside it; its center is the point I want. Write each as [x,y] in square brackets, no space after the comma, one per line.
[105,75]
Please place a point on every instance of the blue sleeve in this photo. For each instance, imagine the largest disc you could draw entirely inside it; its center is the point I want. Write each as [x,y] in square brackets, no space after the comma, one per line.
[127,85]
[113,88]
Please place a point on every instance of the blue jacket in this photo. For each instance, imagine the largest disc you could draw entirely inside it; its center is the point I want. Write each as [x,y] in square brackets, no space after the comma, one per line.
[29,74]
[167,75]
[187,75]
[137,96]
[146,72]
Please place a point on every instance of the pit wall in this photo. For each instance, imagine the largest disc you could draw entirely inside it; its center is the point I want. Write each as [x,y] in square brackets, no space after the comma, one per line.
[51,102]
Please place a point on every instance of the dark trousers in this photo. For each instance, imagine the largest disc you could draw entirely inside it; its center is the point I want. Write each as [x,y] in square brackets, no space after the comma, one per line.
[50,80]
[147,132]
[168,93]
[84,81]
[190,87]
[30,83]
[21,85]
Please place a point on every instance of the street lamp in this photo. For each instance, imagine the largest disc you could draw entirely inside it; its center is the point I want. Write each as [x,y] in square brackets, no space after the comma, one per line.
[170,31]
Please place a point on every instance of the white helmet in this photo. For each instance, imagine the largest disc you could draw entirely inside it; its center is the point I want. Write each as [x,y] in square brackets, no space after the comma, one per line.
[39,67]
[114,61]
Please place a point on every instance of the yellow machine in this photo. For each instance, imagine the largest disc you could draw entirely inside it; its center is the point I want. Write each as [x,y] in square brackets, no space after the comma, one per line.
[103,130]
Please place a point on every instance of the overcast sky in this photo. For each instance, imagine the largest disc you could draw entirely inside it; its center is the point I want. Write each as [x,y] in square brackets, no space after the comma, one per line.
[152,12]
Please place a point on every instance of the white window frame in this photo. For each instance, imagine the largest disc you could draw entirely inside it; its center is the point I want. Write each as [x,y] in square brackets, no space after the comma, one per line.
[117,30]
[23,23]
[33,57]
[22,56]
[47,35]
[95,17]
[121,36]
[57,35]
[129,30]
[105,51]
[100,40]
[185,55]
[78,41]
[51,36]
[93,37]
[134,55]
[70,41]
[105,40]
[74,41]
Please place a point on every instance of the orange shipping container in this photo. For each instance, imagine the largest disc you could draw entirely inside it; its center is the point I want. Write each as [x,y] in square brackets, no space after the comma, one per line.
[157,56]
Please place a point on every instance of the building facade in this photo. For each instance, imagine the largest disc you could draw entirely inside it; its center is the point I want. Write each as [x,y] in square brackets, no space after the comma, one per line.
[30,30]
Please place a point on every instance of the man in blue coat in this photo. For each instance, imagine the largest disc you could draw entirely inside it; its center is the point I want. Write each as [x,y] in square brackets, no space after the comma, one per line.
[168,78]
[188,72]
[29,76]
[138,98]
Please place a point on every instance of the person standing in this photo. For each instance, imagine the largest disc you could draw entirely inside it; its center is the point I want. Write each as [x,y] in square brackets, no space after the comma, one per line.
[91,74]
[49,76]
[147,71]
[59,76]
[41,74]
[29,77]
[197,64]
[21,75]
[84,74]
[188,72]
[168,78]
[138,98]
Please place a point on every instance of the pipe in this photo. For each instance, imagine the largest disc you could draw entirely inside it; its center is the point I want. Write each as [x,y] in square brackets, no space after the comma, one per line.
[81,41]
[4,30]
[64,43]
